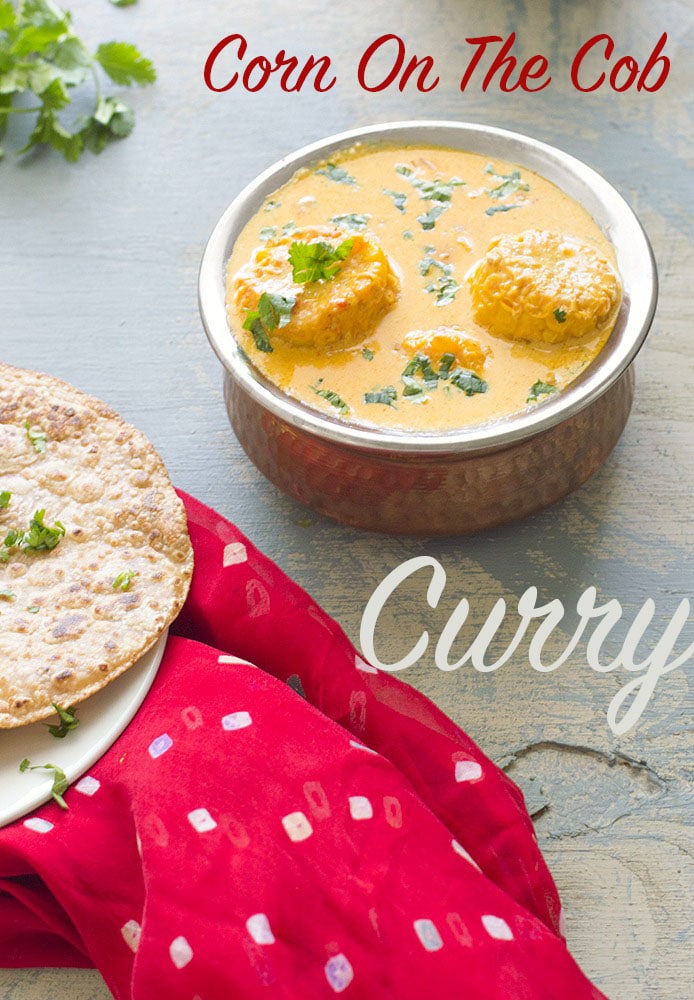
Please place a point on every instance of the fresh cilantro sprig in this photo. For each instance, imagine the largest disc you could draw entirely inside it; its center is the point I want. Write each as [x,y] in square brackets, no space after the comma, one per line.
[39,537]
[40,55]
[317,261]
[5,497]
[273,311]
[68,721]
[60,782]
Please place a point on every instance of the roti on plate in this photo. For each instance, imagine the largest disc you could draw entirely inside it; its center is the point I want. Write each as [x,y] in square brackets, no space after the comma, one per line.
[95,558]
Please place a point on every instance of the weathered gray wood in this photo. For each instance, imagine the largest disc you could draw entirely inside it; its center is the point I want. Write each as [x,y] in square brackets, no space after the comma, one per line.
[99,264]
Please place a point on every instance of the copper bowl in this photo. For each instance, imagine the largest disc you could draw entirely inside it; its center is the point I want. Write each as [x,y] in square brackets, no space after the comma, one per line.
[459,481]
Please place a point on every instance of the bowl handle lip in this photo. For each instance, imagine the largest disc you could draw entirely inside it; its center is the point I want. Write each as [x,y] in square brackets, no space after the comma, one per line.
[607,368]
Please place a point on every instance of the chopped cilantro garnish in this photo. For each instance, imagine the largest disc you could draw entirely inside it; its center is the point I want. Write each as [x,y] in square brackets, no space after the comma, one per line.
[273,311]
[493,209]
[560,315]
[428,220]
[5,497]
[399,198]
[538,389]
[351,220]
[430,190]
[37,438]
[386,396]
[124,579]
[33,609]
[271,204]
[421,365]
[38,538]
[288,228]
[266,233]
[68,721]
[60,782]
[317,261]
[445,286]
[337,174]
[445,365]
[412,387]
[510,183]
[468,382]
[367,353]
[331,397]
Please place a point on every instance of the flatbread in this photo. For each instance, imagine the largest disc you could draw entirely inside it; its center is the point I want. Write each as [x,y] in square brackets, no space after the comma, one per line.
[65,631]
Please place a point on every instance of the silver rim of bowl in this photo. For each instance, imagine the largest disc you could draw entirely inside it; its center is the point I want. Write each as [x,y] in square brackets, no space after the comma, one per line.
[616,219]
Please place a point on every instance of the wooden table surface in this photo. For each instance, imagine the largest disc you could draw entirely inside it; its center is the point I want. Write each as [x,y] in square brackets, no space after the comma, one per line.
[99,264]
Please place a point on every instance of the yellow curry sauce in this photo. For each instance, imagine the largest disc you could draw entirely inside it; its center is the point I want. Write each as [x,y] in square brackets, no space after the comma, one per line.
[436,245]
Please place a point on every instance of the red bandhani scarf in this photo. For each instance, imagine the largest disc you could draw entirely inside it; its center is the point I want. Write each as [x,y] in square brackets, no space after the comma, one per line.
[283,820]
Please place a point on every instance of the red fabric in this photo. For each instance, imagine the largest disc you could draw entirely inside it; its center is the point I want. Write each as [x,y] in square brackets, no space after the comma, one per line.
[239,840]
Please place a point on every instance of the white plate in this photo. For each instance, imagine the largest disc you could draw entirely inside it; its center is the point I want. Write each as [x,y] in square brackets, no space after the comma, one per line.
[102,718]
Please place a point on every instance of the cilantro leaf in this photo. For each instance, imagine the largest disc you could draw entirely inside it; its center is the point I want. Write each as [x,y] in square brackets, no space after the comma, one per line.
[5,497]
[445,287]
[468,382]
[41,54]
[37,437]
[125,64]
[40,537]
[493,209]
[367,353]
[421,365]
[124,579]
[435,190]
[317,261]
[560,315]
[445,364]
[331,397]
[538,389]
[385,396]
[351,220]
[68,721]
[399,199]
[428,219]
[273,311]
[337,174]
[510,183]
[60,782]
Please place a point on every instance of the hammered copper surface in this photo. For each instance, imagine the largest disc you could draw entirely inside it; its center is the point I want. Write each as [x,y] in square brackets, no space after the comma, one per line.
[442,494]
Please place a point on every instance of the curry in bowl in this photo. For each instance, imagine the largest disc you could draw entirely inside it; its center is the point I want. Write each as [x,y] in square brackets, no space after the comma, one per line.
[421,288]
